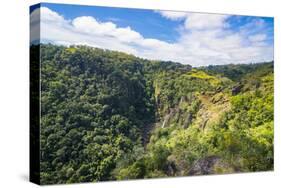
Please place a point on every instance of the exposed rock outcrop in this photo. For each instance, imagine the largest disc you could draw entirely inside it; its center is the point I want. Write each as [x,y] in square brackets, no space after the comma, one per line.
[204,166]
[236,89]
[187,121]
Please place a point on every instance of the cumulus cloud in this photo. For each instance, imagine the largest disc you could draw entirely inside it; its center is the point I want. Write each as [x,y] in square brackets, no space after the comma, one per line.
[90,25]
[203,21]
[204,38]
[173,15]
[197,20]
[48,15]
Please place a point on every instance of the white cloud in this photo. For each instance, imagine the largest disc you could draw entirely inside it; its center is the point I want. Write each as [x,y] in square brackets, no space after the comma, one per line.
[90,25]
[257,38]
[48,15]
[204,38]
[35,26]
[196,20]
[173,15]
[203,21]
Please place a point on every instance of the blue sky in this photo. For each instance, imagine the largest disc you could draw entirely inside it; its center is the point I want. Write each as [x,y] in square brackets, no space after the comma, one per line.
[190,38]
[147,22]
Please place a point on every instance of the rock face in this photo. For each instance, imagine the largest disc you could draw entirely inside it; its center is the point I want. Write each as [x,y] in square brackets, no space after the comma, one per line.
[235,90]
[171,168]
[146,132]
[187,121]
[170,115]
[211,108]
[204,166]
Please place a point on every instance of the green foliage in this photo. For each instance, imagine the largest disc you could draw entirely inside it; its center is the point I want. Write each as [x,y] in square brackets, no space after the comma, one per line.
[98,107]
[238,72]
[248,129]
[94,106]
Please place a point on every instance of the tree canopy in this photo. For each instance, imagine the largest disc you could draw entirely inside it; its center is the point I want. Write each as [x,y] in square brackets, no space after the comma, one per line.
[107,115]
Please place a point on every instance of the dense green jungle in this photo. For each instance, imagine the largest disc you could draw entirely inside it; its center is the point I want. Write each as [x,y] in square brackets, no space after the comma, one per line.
[107,115]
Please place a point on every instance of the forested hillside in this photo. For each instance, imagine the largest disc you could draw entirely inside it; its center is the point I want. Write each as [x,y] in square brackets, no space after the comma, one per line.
[108,115]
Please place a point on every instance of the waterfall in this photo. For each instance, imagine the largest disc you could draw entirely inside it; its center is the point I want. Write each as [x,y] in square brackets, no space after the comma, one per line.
[164,123]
